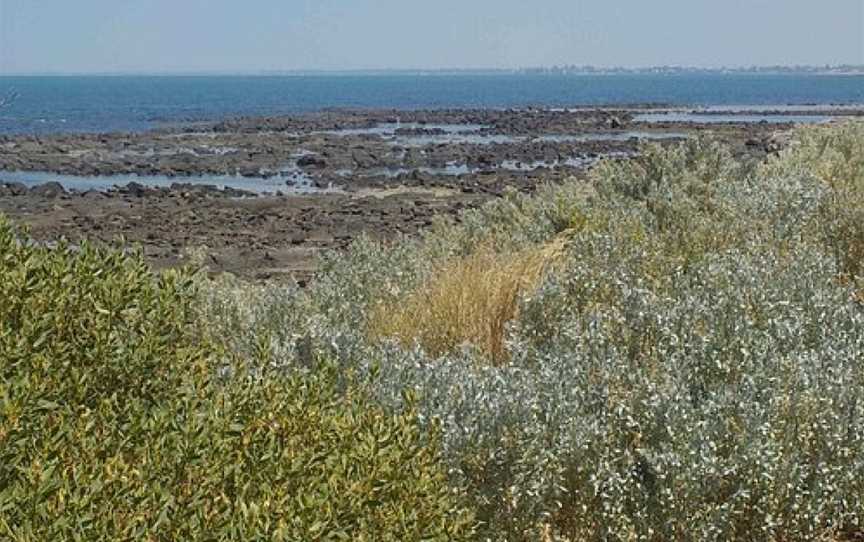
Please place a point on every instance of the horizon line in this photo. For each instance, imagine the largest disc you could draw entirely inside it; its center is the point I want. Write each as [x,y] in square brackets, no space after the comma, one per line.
[572,68]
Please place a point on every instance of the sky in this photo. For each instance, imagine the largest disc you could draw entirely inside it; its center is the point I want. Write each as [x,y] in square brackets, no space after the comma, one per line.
[122,36]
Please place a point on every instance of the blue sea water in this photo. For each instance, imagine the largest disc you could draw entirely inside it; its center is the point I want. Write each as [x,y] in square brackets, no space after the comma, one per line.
[134,103]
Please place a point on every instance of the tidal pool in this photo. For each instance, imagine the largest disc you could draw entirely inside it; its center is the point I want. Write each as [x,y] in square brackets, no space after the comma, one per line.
[287,181]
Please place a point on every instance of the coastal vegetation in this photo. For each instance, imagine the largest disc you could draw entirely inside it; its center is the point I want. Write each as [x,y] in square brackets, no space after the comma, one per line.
[671,350]
[121,420]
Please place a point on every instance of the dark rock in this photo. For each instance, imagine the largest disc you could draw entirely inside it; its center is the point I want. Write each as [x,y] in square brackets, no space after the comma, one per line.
[363,159]
[310,160]
[51,189]
[136,189]
[206,189]
[93,194]
[249,169]
[13,189]
[237,193]
[420,176]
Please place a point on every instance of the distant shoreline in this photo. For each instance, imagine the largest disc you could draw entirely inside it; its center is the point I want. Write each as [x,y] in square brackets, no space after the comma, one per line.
[533,71]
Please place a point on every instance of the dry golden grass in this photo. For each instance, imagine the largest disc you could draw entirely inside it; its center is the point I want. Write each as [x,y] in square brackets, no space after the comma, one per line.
[467,300]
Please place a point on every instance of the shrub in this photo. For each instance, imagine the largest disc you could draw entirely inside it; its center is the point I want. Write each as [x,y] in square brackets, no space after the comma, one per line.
[117,422]
[690,369]
[835,156]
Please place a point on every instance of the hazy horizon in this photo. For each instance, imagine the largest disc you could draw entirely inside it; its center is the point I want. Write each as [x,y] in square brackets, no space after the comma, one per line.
[224,37]
[523,70]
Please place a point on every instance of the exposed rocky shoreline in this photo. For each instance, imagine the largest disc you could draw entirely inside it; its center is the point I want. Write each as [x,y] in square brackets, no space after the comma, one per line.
[382,173]
[346,147]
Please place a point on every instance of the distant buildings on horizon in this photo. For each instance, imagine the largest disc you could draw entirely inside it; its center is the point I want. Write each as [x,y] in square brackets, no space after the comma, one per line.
[844,69]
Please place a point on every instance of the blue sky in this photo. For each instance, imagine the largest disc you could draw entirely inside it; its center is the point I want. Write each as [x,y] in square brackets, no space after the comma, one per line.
[254,35]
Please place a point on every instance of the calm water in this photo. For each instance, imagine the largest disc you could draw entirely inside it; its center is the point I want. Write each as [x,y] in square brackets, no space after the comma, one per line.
[101,104]
[295,183]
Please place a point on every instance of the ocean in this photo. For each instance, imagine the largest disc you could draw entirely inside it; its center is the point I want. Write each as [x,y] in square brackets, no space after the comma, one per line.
[76,104]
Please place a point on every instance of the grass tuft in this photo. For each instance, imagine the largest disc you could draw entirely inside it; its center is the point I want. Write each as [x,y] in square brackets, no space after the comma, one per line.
[467,300]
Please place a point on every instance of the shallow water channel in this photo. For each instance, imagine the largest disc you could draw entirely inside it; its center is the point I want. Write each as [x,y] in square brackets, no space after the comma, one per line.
[474,134]
[286,182]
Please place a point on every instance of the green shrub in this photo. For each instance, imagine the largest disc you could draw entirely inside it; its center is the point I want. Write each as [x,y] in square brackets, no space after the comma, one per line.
[118,423]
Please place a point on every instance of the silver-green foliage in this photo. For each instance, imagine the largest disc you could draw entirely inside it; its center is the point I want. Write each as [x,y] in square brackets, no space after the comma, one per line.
[694,371]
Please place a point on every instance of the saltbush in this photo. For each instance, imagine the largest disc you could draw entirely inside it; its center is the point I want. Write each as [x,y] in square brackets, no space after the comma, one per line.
[119,420]
[692,367]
